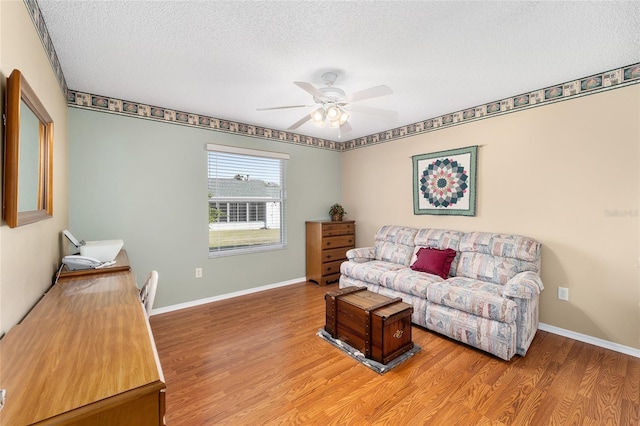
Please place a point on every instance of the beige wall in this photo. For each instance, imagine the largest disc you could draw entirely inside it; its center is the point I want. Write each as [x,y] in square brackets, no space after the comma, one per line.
[29,254]
[566,174]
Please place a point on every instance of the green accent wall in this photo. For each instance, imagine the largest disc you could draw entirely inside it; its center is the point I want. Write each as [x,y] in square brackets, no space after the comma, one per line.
[146,183]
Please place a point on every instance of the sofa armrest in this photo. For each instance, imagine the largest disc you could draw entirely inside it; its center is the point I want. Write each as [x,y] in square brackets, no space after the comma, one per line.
[361,254]
[524,285]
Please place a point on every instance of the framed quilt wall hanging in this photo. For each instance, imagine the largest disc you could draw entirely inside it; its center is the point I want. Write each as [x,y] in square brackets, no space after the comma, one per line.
[444,183]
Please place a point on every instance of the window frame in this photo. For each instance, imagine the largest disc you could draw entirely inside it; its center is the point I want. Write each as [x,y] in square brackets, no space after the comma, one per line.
[247,202]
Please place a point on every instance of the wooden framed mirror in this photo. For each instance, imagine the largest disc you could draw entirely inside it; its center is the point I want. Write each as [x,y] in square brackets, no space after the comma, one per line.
[27,195]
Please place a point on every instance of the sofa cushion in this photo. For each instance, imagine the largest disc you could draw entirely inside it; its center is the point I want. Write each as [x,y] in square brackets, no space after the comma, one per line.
[476,297]
[438,238]
[369,272]
[494,269]
[419,304]
[395,244]
[409,281]
[434,261]
[514,246]
[350,282]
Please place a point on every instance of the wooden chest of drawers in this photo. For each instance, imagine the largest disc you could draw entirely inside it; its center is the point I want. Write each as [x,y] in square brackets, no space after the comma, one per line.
[327,246]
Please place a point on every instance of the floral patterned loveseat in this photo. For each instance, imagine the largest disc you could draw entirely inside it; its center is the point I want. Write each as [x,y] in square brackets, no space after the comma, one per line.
[488,299]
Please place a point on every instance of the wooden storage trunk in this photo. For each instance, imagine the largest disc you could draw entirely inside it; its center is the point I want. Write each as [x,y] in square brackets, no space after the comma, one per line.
[376,325]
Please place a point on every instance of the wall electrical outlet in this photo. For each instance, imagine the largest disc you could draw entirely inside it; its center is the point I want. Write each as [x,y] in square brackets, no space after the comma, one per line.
[563,293]
[198,272]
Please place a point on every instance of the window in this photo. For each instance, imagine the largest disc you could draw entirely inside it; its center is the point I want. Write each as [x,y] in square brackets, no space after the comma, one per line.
[246,191]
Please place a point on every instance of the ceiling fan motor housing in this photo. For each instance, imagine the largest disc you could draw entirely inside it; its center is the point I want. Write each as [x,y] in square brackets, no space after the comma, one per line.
[333,95]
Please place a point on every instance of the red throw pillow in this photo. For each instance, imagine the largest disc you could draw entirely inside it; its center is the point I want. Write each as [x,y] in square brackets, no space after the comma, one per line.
[434,261]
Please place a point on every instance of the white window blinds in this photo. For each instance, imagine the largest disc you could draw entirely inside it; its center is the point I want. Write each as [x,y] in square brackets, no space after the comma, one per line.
[246,192]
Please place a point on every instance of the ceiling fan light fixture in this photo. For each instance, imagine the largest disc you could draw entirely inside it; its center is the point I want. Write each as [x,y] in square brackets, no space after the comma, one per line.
[333,112]
[318,116]
[344,116]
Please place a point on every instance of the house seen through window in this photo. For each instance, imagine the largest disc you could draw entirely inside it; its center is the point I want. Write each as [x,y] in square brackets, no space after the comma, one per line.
[246,192]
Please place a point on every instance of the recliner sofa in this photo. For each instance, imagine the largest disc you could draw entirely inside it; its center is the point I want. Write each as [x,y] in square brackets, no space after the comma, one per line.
[489,298]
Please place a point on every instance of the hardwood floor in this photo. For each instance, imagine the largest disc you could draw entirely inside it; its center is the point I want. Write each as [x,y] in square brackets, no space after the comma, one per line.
[256,359]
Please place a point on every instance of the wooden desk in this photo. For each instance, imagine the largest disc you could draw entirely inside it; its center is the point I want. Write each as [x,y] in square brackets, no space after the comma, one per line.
[84,355]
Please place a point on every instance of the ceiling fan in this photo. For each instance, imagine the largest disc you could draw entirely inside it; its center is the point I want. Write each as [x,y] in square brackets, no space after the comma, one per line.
[334,106]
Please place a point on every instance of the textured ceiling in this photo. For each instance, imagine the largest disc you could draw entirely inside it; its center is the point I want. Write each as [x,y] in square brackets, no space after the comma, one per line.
[225,59]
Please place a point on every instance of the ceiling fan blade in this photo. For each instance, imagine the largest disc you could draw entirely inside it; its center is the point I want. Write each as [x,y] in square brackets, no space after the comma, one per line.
[346,128]
[386,113]
[372,92]
[300,122]
[309,88]
[283,107]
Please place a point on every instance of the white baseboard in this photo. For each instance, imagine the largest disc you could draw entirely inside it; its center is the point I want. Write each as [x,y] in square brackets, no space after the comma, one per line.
[591,340]
[198,302]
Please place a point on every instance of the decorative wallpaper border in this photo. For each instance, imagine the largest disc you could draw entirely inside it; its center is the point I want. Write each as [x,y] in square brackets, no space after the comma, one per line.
[43,33]
[596,83]
[613,79]
[590,85]
[150,112]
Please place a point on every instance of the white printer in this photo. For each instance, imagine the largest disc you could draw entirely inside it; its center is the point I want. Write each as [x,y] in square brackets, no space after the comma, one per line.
[104,251]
